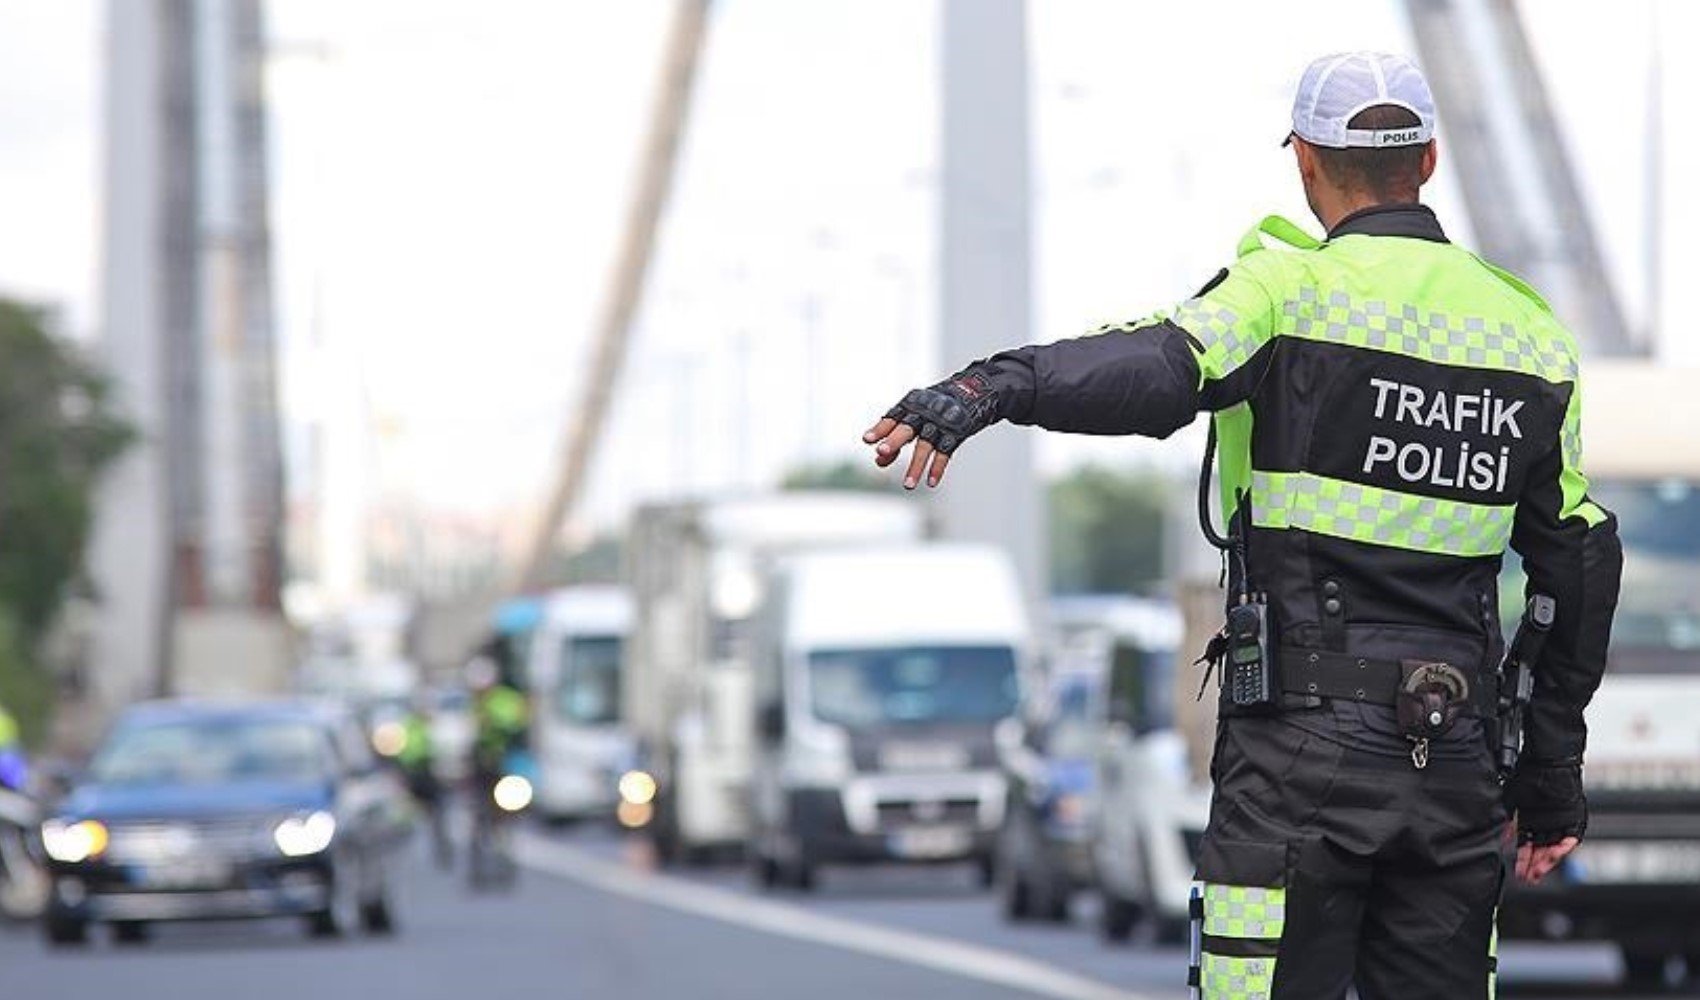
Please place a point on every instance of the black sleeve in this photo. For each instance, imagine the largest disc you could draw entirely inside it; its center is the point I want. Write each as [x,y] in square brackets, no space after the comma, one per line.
[1572,553]
[1141,381]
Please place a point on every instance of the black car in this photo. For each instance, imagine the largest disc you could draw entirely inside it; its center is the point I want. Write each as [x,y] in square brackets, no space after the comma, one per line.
[195,811]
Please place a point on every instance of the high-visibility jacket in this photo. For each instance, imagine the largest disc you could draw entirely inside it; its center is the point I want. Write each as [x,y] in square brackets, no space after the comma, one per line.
[1394,413]
[416,748]
[499,717]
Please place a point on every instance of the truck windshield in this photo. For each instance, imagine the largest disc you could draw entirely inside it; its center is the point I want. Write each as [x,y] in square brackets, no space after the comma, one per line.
[1659,608]
[1657,626]
[860,688]
[589,689]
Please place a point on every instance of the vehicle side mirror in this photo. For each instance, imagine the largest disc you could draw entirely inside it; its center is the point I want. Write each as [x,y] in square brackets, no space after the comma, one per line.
[1010,734]
[770,722]
[1119,708]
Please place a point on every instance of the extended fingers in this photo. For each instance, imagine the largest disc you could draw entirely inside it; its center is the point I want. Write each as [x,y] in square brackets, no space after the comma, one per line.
[1549,857]
[879,430]
[936,475]
[887,450]
[917,464]
[1535,863]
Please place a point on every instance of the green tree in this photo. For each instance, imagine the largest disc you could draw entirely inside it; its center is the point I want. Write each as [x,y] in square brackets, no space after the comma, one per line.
[1106,531]
[58,432]
[845,475]
[599,561]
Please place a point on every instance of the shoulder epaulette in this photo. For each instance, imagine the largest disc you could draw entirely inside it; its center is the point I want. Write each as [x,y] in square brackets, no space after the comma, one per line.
[1282,229]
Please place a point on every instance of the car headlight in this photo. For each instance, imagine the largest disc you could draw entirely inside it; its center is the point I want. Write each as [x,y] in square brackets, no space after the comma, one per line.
[74,842]
[299,836]
[389,739]
[637,787]
[512,793]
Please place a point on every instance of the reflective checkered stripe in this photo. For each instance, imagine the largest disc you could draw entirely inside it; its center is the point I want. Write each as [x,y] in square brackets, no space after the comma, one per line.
[1252,919]
[1242,911]
[1446,338]
[1325,506]
[1228,343]
[1573,485]
[1223,977]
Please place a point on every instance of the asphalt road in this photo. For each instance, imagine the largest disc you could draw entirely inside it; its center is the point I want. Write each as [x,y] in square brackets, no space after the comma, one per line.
[589,920]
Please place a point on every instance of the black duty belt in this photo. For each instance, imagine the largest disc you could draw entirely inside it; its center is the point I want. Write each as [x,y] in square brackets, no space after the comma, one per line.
[1326,674]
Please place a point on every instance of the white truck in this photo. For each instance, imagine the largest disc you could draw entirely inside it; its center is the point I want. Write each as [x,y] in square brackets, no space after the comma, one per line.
[876,710]
[696,571]
[1635,880]
[575,669]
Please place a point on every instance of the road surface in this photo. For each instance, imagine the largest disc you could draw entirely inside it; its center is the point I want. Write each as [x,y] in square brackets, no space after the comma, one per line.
[590,920]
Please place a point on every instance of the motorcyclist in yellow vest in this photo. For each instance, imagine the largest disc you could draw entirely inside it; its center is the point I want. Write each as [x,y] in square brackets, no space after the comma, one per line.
[417,760]
[1393,413]
[499,715]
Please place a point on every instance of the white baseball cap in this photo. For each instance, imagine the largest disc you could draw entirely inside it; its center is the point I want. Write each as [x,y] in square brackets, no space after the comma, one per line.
[1337,87]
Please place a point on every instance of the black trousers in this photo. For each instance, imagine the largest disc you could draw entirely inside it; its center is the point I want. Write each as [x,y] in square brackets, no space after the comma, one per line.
[1325,866]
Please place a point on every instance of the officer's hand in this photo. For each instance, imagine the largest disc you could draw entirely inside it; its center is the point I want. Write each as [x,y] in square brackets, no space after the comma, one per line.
[1533,863]
[1549,802]
[938,418]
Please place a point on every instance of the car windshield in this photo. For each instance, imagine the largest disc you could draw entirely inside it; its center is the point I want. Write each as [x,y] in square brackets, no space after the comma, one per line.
[863,688]
[588,692]
[213,752]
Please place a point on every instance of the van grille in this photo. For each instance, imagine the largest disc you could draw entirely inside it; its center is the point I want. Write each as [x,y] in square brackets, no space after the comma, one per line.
[900,813]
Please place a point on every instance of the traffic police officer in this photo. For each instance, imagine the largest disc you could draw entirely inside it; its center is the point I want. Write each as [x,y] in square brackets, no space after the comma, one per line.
[1393,412]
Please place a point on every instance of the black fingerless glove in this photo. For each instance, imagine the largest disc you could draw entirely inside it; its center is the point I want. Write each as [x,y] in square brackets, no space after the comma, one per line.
[949,413]
[1548,801]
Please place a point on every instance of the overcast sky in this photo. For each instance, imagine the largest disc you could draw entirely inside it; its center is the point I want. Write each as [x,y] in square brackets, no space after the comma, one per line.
[449,176]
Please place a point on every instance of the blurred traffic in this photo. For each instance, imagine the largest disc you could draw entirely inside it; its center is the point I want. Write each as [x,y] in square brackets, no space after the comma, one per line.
[321,674]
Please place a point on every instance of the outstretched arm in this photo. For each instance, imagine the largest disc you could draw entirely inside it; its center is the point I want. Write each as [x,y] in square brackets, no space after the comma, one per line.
[1149,378]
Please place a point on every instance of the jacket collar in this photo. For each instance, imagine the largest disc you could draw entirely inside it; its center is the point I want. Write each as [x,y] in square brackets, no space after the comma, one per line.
[1409,220]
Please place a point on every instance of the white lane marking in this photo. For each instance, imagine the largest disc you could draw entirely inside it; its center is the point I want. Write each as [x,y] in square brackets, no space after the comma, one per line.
[943,954]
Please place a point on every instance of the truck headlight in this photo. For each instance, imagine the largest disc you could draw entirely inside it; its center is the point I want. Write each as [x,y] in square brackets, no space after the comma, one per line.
[74,842]
[819,755]
[299,836]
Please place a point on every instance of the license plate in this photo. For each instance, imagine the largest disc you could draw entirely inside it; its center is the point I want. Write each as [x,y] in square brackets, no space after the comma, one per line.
[932,842]
[196,873]
[1606,862]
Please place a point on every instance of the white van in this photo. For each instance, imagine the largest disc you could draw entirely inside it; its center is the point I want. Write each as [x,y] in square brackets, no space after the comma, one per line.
[881,675]
[576,665]
[697,570]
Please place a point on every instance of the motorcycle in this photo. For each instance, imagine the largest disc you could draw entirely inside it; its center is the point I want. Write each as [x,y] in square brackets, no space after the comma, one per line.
[496,804]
